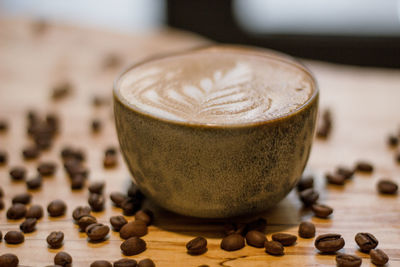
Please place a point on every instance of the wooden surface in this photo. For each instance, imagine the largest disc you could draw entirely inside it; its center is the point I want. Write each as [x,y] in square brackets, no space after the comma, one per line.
[365,106]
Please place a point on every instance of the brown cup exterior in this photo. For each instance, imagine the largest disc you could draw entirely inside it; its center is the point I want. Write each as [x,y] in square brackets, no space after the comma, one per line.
[216,171]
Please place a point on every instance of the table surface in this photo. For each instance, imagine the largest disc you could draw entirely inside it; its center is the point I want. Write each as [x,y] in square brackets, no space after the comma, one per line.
[365,108]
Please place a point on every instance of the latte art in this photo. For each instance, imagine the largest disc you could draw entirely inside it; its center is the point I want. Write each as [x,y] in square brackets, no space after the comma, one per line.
[216,86]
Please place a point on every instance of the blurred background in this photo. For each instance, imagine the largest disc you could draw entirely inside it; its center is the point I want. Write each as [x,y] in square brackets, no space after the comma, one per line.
[358,32]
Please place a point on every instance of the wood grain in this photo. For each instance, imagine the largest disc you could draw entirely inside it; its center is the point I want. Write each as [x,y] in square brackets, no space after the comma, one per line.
[365,106]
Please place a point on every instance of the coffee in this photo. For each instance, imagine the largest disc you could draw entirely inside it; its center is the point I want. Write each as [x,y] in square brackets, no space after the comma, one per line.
[217,86]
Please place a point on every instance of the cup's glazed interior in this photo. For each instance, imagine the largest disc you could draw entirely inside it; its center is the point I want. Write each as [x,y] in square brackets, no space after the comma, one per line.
[216,171]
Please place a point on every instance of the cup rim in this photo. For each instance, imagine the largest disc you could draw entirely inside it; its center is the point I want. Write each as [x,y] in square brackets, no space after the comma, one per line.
[264,52]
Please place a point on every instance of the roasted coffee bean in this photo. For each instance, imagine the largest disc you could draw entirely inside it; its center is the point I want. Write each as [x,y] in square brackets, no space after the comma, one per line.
[57,208]
[232,242]
[34,183]
[80,211]
[3,157]
[16,211]
[117,198]
[28,226]
[131,205]
[378,257]
[78,182]
[35,211]
[146,263]
[274,248]
[363,166]
[366,241]
[346,260]
[306,230]
[8,260]
[335,179]
[117,222]
[101,263]
[63,259]
[14,237]
[85,221]
[3,125]
[98,101]
[61,90]
[96,187]
[31,152]
[347,173]
[1,192]
[97,231]
[76,169]
[284,239]
[96,125]
[145,216]
[133,246]
[55,239]
[110,151]
[329,243]
[125,263]
[1,204]
[135,228]
[110,161]
[255,239]
[18,173]
[257,225]
[387,187]
[1,236]
[23,198]
[235,228]
[47,168]
[134,192]
[309,196]
[393,140]
[197,246]
[397,157]
[305,183]
[96,202]
[321,211]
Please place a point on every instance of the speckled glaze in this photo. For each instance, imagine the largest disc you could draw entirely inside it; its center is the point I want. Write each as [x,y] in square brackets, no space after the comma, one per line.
[216,171]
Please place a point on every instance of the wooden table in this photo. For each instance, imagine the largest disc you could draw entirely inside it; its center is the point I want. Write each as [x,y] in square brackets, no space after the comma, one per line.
[365,106]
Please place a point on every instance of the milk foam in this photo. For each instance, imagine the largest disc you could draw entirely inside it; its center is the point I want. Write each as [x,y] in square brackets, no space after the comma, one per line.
[216,86]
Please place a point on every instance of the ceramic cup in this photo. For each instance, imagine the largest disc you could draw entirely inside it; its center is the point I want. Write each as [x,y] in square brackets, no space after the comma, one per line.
[216,171]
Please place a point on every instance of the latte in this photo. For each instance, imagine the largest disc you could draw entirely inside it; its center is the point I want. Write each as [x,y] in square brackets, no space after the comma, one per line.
[217,86]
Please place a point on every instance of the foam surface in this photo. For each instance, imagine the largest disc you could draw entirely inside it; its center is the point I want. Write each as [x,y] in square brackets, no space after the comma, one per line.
[216,86]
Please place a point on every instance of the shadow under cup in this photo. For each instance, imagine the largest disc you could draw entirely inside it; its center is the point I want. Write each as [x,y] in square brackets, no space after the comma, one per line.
[216,171]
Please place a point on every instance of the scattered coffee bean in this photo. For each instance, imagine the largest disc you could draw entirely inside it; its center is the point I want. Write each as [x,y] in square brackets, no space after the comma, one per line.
[96,187]
[321,211]
[101,263]
[392,140]
[232,242]
[85,221]
[257,225]
[78,182]
[110,161]
[335,179]
[125,263]
[3,157]
[329,243]
[80,211]
[364,166]
[235,228]
[146,263]
[346,172]
[346,260]
[96,125]
[387,187]
[23,198]
[1,192]
[306,230]
[31,152]
[61,90]
[47,168]
[35,211]
[305,183]
[397,157]
[16,211]
[133,246]
[145,216]
[28,226]
[3,125]
[98,101]
[197,246]
[255,239]
[309,196]
[325,126]
[117,222]
[131,205]
[1,204]
[284,239]
[111,151]
[135,228]
[56,208]
[378,257]
[117,198]
[34,183]
[55,239]
[366,241]
[14,237]
[18,173]
[274,248]
[97,231]
[96,202]
[8,260]
[63,259]
[1,236]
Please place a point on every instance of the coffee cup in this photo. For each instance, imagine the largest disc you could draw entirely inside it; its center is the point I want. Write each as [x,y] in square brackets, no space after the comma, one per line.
[216,132]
